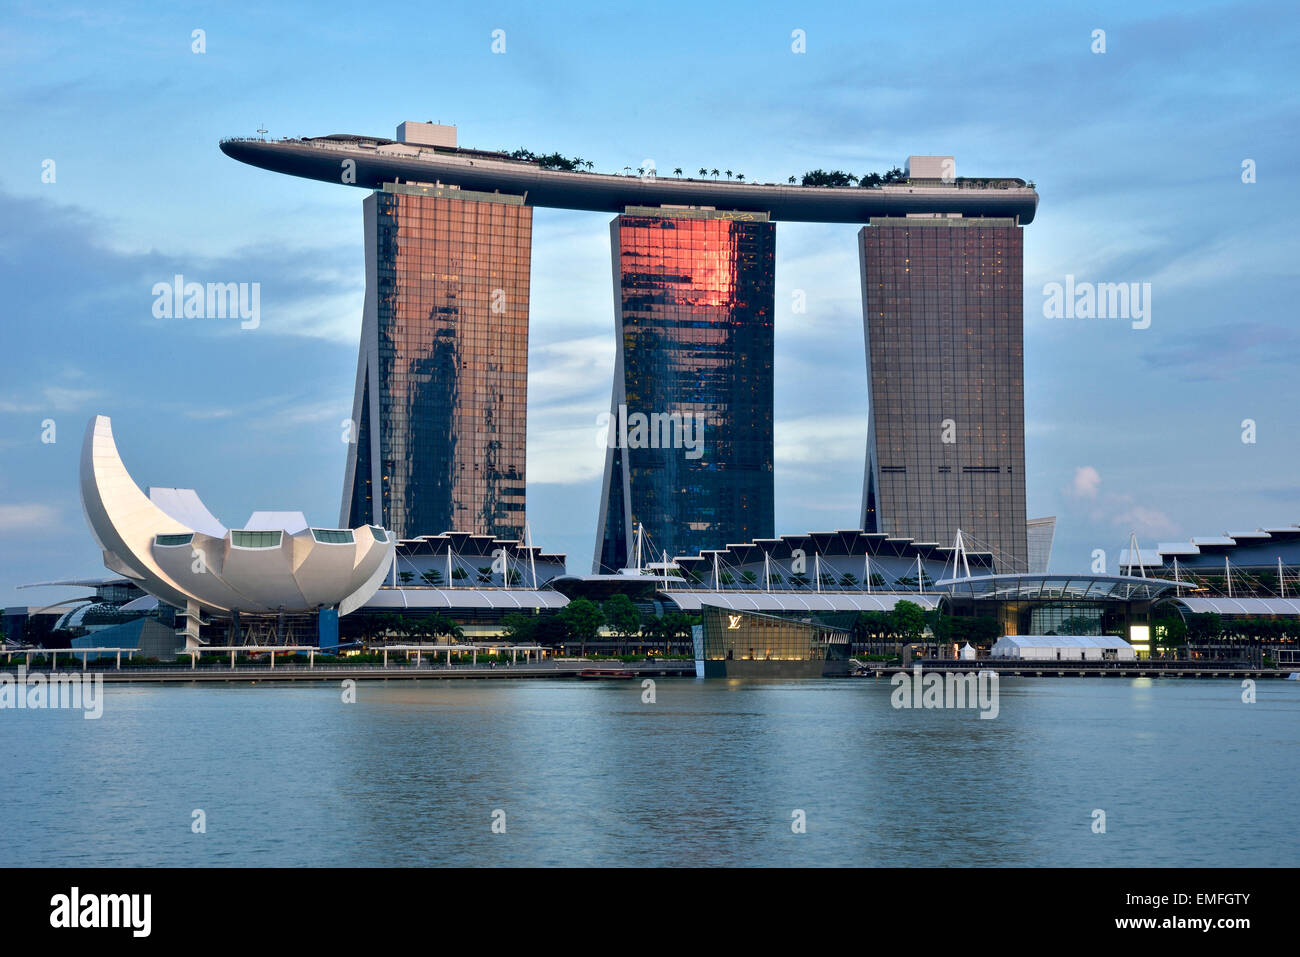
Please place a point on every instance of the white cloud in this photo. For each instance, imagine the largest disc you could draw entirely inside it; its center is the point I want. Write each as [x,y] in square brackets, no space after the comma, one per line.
[1086,482]
[20,517]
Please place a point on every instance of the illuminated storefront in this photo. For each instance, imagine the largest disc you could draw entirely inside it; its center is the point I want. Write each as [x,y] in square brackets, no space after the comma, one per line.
[747,644]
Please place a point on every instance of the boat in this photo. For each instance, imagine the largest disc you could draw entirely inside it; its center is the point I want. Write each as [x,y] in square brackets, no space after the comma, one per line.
[595,674]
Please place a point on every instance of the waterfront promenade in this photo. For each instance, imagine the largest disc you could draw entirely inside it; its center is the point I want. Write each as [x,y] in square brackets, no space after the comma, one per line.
[244,672]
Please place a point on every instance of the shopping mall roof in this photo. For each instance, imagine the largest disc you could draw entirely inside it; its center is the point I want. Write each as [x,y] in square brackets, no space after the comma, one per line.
[1241,606]
[505,599]
[1018,587]
[769,601]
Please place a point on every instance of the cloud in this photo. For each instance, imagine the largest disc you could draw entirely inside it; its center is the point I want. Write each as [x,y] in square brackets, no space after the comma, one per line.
[52,399]
[1145,521]
[1086,482]
[22,517]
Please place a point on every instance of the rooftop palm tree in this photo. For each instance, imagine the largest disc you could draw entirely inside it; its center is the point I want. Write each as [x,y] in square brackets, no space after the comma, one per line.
[790,180]
[728,174]
[740,176]
[703,171]
[588,163]
[677,172]
[715,174]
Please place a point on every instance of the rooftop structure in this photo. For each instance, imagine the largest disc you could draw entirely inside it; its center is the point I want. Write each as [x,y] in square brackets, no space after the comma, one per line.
[376,160]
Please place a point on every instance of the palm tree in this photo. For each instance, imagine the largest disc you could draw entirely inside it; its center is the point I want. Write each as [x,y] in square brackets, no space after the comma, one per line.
[677,172]
[728,174]
[703,171]
[589,164]
[640,171]
[715,174]
[790,180]
[740,176]
[627,169]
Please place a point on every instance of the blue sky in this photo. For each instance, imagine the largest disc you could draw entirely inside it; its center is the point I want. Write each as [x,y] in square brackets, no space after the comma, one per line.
[1137,153]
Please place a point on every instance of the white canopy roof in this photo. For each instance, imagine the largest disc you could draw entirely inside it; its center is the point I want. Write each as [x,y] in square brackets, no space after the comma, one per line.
[798,601]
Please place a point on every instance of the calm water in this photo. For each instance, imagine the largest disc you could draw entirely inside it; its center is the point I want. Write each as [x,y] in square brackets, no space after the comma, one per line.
[708,775]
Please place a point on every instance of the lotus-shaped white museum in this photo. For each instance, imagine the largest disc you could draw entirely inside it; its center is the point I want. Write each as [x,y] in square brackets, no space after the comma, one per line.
[169,544]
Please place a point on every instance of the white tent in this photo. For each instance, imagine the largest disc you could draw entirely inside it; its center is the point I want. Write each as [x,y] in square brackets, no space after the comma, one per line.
[1063,648]
[967,653]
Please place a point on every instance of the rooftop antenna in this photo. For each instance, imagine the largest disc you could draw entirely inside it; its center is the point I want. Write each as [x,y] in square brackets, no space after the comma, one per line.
[1134,550]
[532,559]
[262,131]
[959,552]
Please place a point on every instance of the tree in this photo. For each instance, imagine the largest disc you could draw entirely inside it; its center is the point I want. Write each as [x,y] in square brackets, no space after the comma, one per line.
[983,630]
[741,177]
[790,180]
[715,173]
[703,171]
[519,628]
[835,177]
[677,171]
[552,630]
[406,577]
[870,180]
[848,580]
[1170,632]
[485,575]
[584,618]
[622,615]
[749,576]
[432,577]
[908,620]
[728,174]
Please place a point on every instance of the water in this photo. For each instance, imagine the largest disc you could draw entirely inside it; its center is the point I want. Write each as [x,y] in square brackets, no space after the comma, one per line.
[710,774]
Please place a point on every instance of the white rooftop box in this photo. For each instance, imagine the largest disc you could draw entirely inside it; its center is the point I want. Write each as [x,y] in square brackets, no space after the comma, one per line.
[932,167]
[426,134]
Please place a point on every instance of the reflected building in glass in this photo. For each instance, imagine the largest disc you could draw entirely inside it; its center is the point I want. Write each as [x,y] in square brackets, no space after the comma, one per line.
[693,299]
[439,415]
[944,319]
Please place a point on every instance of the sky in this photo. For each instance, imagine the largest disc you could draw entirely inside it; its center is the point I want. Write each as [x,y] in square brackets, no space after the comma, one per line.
[111,180]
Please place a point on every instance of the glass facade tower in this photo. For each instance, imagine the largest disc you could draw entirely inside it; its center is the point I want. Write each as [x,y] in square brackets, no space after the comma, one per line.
[944,318]
[689,455]
[439,417]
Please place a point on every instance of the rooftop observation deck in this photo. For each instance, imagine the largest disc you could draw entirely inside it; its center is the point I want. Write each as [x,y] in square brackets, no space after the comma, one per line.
[378,161]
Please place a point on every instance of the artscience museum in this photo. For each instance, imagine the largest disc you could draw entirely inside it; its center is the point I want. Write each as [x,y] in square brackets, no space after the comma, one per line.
[276,572]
